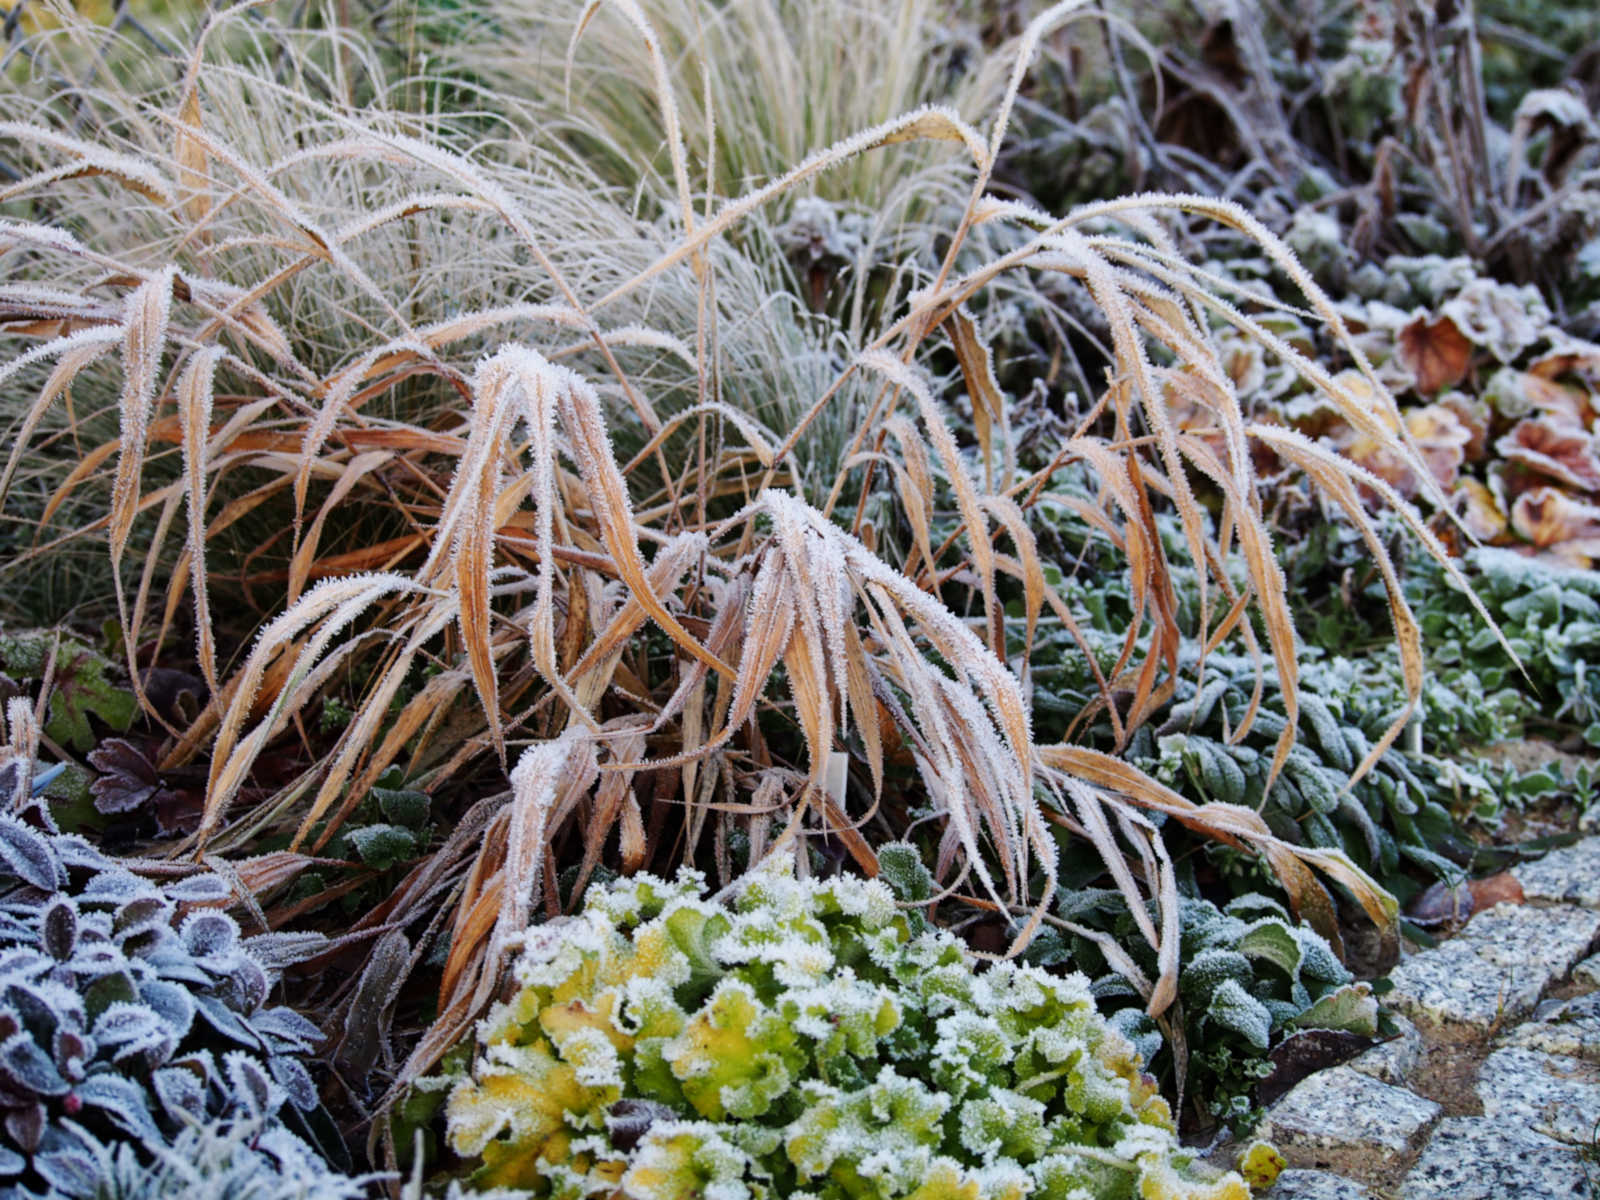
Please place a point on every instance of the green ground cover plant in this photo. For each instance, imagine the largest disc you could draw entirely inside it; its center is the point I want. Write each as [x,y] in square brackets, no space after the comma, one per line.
[131,1012]
[804,1042]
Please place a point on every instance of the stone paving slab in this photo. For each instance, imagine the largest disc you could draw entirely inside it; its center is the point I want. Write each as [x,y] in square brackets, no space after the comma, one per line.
[1394,1060]
[1497,968]
[1570,1027]
[1343,1110]
[1588,971]
[1570,875]
[1549,1094]
[1482,1158]
[1316,1185]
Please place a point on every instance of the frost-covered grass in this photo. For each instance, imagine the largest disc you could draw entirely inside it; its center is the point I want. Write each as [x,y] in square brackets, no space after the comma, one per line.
[527,442]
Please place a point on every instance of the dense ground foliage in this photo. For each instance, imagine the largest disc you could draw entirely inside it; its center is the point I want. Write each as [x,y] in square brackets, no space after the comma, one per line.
[1124,475]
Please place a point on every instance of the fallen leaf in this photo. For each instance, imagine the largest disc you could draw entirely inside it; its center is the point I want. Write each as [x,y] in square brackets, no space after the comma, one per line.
[1439,436]
[1555,522]
[1450,905]
[1496,889]
[1311,1050]
[1479,511]
[1437,352]
[1551,447]
[1505,320]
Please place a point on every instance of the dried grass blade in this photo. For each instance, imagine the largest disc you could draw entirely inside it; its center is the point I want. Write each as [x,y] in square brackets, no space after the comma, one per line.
[144,340]
[78,350]
[195,390]
[982,550]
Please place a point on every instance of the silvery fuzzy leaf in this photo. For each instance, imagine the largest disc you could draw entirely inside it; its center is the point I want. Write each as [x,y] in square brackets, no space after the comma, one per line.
[66,1160]
[142,913]
[25,1068]
[246,984]
[13,930]
[226,1022]
[115,887]
[209,934]
[251,1087]
[58,929]
[123,1101]
[95,960]
[45,1006]
[70,1173]
[77,853]
[71,1050]
[202,1064]
[170,960]
[25,1126]
[200,889]
[181,1092]
[171,1003]
[286,1029]
[29,855]
[291,1075]
[12,1164]
[23,962]
[94,924]
[132,1029]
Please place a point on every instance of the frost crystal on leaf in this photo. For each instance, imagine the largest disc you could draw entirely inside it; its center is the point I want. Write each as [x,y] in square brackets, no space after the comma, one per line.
[808,1040]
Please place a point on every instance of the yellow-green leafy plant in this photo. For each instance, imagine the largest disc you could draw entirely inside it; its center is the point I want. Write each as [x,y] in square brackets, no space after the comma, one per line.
[801,1042]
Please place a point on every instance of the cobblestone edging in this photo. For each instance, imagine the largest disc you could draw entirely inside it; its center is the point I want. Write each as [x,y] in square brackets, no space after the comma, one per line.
[1493,1089]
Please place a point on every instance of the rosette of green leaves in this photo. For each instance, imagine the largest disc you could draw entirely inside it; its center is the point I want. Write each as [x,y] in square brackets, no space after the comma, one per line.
[801,1043]
[1248,978]
[129,1011]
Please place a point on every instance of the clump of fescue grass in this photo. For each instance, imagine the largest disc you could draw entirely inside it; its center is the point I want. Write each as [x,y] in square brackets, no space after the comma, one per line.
[584,467]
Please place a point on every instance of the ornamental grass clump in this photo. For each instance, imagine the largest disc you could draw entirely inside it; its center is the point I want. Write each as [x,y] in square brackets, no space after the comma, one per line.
[803,1042]
[397,392]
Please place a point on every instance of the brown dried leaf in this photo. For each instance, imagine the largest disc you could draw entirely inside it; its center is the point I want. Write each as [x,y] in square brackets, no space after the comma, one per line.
[1553,521]
[1437,353]
[1551,447]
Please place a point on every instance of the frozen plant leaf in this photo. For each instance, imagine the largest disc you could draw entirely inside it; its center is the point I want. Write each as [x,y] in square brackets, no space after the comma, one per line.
[1235,1009]
[1554,522]
[1503,319]
[127,782]
[83,688]
[1437,352]
[403,806]
[1351,1009]
[382,846]
[617,1060]
[1554,448]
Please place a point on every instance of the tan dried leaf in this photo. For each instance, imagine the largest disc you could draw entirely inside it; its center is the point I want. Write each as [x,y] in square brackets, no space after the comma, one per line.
[1436,351]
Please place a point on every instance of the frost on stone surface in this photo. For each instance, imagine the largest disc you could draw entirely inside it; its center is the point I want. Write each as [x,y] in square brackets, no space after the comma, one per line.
[812,1041]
